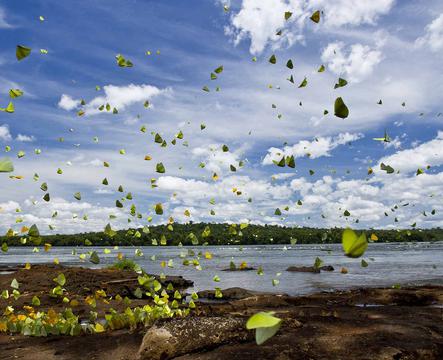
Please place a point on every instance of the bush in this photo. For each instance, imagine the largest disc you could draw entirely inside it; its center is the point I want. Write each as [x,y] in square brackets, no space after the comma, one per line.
[124,264]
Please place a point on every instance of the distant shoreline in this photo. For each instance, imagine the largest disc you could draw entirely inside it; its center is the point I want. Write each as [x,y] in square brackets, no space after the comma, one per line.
[220,234]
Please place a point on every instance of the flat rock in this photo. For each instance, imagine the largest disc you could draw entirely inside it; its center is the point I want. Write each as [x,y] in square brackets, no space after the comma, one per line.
[187,335]
[310,269]
[248,268]
[234,293]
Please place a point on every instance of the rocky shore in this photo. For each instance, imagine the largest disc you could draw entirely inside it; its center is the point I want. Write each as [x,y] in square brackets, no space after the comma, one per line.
[398,324]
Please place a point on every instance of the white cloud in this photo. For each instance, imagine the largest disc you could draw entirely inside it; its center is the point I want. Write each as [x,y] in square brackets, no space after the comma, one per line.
[433,37]
[216,160]
[132,120]
[25,138]
[119,97]
[9,206]
[197,193]
[68,103]
[5,135]
[355,62]
[282,176]
[321,146]
[259,20]
[102,191]
[394,143]
[352,12]
[65,222]
[3,23]
[368,201]
[409,160]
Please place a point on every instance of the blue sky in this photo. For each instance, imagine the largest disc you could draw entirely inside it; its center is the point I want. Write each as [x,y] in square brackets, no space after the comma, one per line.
[386,49]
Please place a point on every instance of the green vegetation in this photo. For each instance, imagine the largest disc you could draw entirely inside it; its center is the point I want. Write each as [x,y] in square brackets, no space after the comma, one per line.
[124,264]
[221,234]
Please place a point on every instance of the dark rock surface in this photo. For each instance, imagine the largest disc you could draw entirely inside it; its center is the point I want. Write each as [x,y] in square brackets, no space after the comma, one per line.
[248,268]
[188,335]
[310,269]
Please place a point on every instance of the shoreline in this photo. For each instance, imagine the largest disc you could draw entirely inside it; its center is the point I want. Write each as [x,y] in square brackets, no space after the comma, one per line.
[188,245]
[364,323]
[7,269]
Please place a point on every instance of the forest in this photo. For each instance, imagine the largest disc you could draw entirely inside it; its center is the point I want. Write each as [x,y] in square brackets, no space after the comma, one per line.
[221,234]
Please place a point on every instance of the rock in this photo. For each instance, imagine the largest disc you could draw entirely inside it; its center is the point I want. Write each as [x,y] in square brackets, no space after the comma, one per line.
[234,293]
[8,269]
[182,336]
[177,281]
[127,286]
[310,269]
[248,268]
[327,268]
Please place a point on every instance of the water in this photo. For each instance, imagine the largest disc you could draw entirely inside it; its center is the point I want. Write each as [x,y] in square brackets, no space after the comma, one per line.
[389,264]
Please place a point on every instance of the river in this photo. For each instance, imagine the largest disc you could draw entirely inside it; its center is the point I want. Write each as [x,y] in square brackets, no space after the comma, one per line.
[388,264]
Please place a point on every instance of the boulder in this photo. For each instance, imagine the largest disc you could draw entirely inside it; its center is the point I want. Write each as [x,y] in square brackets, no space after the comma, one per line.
[187,335]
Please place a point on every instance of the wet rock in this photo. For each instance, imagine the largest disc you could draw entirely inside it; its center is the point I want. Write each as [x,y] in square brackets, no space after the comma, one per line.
[82,281]
[327,268]
[191,334]
[310,269]
[247,268]
[234,293]
[411,299]
[177,281]
[8,269]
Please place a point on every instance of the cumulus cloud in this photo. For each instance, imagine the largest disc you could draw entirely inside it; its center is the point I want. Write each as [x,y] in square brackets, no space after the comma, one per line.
[433,37]
[69,217]
[215,159]
[352,12]
[355,62]
[25,138]
[5,135]
[409,160]
[371,202]
[282,176]
[259,20]
[68,103]
[394,143]
[124,96]
[191,191]
[230,198]
[321,146]
[119,97]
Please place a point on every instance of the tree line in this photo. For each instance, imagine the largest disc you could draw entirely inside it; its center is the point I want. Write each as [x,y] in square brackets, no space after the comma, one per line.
[221,234]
